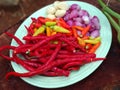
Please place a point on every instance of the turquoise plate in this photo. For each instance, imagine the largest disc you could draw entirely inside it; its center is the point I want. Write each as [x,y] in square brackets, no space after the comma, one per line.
[75,76]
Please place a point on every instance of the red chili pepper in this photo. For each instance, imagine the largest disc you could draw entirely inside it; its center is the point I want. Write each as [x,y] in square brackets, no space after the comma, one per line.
[32,64]
[31,73]
[34,38]
[37,25]
[6,57]
[53,56]
[71,64]
[74,44]
[3,48]
[74,68]
[7,47]
[21,62]
[15,38]
[30,30]
[22,48]
[64,52]
[42,20]
[33,19]
[40,70]
[88,60]
[72,55]
[51,74]
[43,42]
[61,71]
[43,60]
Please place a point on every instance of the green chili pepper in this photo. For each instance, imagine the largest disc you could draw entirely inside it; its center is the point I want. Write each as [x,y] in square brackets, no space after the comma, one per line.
[60,29]
[39,30]
[50,23]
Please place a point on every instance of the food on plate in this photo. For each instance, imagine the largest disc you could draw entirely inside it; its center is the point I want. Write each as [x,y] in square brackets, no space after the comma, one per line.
[54,47]
[109,13]
[58,9]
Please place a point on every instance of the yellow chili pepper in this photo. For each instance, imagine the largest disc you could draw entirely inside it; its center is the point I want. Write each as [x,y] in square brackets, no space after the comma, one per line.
[92,41]
[39,31]
[60,29]
[97,38]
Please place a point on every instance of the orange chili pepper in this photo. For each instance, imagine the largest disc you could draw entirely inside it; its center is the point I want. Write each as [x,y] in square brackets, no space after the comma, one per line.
[35,29]
[75,33]
[86,29]
[47,19]
[48,31]
[88,46]
[53,33]
[78,28]
[62,23]
[81,42]
[95,47]
[85,37]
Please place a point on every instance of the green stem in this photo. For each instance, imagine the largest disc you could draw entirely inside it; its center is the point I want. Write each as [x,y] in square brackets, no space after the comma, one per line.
[115,25]
[107,9]
[119,21]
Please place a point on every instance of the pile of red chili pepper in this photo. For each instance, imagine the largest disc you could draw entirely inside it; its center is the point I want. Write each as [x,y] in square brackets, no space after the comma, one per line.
[52,48]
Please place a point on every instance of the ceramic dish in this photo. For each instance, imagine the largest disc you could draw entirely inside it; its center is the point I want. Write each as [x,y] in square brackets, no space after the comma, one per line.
[75,76]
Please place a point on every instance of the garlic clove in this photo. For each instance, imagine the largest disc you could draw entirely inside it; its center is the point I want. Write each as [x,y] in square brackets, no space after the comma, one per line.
[51,16]
[60,13]
[51,10]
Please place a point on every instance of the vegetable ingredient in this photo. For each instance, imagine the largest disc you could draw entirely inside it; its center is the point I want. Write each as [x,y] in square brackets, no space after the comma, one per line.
[60,29]
[76,16]
[50,23]
[39,31]
[107,9]
[52,47]
[109,13]
[115,25]
[58,9]
[60,13]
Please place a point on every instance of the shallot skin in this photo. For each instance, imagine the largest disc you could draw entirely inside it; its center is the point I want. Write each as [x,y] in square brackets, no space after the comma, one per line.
[76,16]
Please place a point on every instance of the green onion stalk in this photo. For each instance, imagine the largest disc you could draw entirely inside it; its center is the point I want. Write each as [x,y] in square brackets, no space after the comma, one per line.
[109,13]
[114,24]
